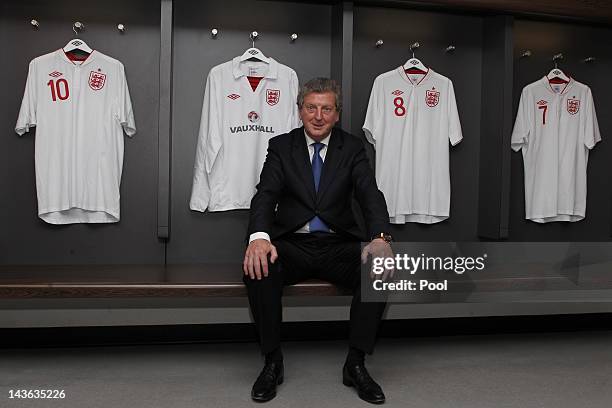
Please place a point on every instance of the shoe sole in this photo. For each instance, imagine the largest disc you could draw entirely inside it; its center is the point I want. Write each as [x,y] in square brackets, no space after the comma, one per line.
[266,399]
[349,383]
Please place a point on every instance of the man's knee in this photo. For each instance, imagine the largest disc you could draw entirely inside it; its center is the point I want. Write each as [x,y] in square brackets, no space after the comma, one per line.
[274,278]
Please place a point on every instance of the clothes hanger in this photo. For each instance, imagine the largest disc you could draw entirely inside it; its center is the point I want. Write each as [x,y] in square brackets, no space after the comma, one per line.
[556,75]
[77,44]
[77,47]
[254,53]
[414,65]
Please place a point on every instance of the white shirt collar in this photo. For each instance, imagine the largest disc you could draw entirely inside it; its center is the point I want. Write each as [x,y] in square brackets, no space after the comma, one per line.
[310,140]
[86,61]
[272,72]
[547,85]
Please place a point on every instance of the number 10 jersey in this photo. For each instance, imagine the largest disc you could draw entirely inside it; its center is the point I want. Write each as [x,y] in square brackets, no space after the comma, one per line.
[80,110]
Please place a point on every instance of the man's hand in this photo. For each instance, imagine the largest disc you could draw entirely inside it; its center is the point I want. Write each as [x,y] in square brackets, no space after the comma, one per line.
[378,248]
[255,262]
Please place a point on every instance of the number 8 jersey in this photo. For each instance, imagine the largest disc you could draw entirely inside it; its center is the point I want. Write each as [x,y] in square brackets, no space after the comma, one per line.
[410,120]
[80,109]
[555,128]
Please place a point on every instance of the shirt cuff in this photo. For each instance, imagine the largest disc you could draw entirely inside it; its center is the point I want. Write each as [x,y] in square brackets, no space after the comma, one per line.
[259,235]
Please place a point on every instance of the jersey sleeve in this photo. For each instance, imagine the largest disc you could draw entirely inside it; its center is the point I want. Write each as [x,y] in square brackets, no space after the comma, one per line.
[210,141]
[27,113]
[454,125]
[522,125]
[123,105]
[294,119]
[591,127]
[374,114]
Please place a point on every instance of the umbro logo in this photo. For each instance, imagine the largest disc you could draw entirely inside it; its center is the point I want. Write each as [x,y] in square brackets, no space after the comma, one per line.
[76,42]
[397,92]
[55,74]
[233,96]
[253,52]
[542,102]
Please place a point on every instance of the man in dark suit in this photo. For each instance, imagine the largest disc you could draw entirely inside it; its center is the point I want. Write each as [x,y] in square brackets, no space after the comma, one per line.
[302,226]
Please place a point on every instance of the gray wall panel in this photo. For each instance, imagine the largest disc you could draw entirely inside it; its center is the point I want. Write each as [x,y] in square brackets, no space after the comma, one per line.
[496,126]
[25,239]
[219,236]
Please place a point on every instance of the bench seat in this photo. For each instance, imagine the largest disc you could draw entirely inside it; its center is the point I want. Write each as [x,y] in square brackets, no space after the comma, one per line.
[108,281]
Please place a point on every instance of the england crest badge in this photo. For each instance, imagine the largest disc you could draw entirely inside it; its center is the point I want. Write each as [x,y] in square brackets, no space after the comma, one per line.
[96,80]
[432,98]
[573,106]
[272,96]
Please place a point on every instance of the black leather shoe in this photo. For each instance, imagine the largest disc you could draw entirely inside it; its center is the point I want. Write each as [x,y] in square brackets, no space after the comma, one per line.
[357,376]
[264,388]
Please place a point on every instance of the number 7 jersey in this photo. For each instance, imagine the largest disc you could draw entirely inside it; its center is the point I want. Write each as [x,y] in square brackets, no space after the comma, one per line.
[411,122]
[555,128]
[80,110]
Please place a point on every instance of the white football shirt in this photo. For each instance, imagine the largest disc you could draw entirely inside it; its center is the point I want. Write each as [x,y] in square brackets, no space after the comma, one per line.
[235,127]
[555,127]
[80,110]
[410,120]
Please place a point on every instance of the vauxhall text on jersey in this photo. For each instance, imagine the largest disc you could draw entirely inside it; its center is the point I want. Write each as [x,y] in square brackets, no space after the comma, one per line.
[251,128]
[80,110]
[245,104]
[410,120]
[555,128]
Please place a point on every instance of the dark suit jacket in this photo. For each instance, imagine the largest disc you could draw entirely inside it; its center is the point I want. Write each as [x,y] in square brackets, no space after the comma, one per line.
[286,197]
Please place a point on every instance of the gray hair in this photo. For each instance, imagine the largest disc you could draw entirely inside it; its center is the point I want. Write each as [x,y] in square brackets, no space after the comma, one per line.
[320,85]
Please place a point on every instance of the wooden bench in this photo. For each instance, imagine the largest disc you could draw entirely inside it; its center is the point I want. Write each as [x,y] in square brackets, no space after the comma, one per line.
[108,281]
[225,280]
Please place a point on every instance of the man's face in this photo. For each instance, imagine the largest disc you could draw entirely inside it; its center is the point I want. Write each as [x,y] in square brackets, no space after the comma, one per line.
[319,114]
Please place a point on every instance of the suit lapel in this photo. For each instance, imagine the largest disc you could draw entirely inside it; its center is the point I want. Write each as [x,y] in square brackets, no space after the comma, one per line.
[301,159]
[332,160]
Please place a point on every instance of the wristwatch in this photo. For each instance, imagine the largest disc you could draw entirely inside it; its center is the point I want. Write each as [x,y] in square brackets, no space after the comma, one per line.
[384,236]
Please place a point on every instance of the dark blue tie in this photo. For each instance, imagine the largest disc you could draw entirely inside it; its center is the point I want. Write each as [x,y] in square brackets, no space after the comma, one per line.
[316,224]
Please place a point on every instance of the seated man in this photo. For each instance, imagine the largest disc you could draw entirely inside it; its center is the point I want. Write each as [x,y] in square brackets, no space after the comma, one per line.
[302,226]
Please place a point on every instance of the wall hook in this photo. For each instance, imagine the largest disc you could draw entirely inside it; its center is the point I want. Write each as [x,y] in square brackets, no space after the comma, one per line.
[414,46]
[557,57]
[77,26]
[253,37]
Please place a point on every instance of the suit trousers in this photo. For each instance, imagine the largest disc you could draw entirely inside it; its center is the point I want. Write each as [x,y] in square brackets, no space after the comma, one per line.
[319,255]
